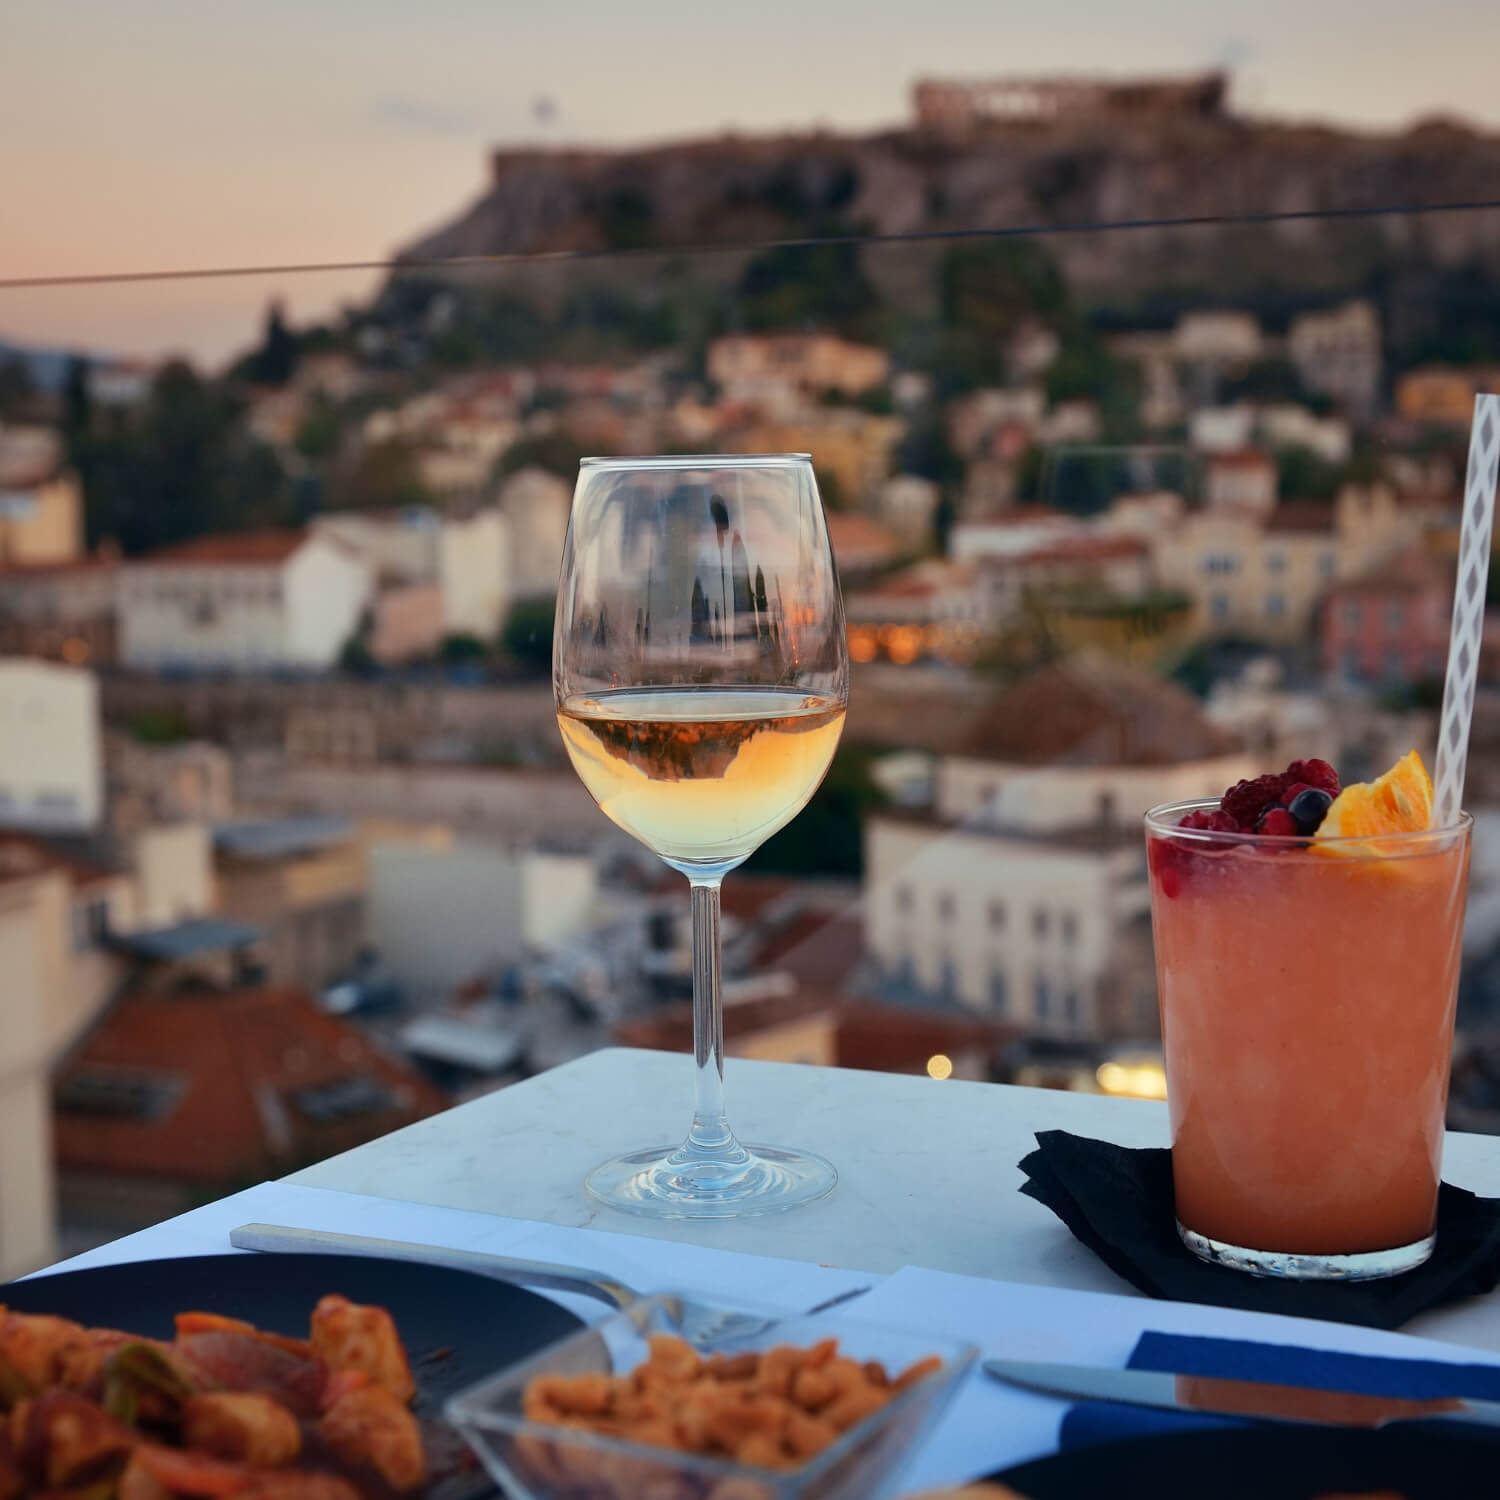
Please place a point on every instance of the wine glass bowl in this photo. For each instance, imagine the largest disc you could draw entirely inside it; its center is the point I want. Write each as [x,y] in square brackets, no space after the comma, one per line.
[701,674]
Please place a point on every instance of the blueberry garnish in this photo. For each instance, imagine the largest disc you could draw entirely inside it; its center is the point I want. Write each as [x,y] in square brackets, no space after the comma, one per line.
[1309,807]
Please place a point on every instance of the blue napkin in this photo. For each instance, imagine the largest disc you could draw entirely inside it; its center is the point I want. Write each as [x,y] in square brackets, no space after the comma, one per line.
[1236,1359]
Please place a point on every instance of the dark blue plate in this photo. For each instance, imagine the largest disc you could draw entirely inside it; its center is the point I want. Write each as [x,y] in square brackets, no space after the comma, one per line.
[457,1326]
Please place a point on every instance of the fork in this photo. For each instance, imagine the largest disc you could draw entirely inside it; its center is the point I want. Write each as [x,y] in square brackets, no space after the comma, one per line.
[700,1323]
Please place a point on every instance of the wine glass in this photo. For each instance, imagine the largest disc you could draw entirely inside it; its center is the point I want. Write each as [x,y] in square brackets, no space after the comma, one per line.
[701,674]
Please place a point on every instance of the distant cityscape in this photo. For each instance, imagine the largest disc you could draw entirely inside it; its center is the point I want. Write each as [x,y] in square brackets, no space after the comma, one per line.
[290,854]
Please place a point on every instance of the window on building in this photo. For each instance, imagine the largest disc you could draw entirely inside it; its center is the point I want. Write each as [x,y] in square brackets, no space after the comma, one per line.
[1069,927]
[906,970]
[1395,664]
[999,991]
[1275,606]
[344,1099]
[1325,565]
[118,1093]
[1351,666]
[1106,806]
[945,907]
[948,978]
[997,916]
[1041,998]
[1353,614]
[1219,606]
[1276,562]
[1395,619]
[1041,921]
[1070,1005]
[903,898]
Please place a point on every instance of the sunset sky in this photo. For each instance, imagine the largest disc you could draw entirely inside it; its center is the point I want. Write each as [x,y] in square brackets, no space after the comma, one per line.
[158,133]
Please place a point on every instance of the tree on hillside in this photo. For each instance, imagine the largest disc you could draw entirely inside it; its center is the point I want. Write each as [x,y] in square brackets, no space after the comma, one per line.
[276,358]
[182,467]
[17,389]
[801,286]
[987,291]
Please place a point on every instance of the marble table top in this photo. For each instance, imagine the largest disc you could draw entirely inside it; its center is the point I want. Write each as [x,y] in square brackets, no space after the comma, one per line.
[927,1168]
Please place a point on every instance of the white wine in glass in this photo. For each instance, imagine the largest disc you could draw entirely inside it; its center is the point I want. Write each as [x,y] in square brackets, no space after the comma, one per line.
[701,674]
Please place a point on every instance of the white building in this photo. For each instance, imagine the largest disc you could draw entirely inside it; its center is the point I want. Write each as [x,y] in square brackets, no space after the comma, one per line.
[468,558]
[1338,352]
[477,573]
[1014,534]
[536,505]
[243,602]
[1240,480]
[1221,338]
[51,760]
[1023,892]
[443,912]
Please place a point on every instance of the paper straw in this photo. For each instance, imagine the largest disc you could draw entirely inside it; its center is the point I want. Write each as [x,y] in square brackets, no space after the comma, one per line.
[1467,633]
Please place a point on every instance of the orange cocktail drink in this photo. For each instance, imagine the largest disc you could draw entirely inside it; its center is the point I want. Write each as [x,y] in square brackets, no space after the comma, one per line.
[1307,990]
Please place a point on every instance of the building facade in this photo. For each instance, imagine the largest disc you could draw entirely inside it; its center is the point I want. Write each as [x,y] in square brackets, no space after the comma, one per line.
[41,500]
[51,759]
[1264,577]
[1390,626]
[243,602]
[1021,894]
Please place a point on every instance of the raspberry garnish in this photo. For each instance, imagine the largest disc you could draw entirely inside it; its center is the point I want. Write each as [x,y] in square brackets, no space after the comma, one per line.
[1315,773]
[1279,822]
[1292,791]
[1245,801]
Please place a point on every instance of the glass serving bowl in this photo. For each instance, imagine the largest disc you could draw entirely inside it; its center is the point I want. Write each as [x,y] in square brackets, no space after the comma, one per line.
[542,1461]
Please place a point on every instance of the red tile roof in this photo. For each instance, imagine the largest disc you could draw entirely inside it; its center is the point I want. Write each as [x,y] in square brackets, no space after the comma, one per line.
[239,1060]
[1310,516]
[1090,710]
[853,533]
[1411,572]
[1242,458]
[22,856]
[1087,549]
[232,548]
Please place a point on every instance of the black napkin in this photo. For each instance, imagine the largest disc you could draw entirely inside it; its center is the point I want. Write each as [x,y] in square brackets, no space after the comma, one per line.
[1119,1202]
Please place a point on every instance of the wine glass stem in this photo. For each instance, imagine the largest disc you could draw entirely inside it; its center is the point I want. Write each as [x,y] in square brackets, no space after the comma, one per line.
[710,1130]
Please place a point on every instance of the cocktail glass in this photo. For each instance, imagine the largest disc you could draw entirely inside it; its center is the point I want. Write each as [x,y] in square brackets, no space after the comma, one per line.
[1307,993]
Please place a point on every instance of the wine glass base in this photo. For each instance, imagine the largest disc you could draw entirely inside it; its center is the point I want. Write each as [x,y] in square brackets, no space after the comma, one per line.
[673,1182]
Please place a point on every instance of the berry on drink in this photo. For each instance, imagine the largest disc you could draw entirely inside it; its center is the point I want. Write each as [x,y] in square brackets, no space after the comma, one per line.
[1245,801]
[1308,808]
[1316,773]
[1279,822]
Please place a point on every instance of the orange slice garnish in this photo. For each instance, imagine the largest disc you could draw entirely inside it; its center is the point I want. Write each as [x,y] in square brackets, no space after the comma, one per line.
[1398,802]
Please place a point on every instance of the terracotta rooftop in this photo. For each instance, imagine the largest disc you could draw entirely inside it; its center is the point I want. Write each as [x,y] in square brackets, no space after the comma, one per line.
[220,1088]
[1091,710]
[22,856]
[1086,549]
[1309,516]
[1242,458]
[95,562]
[853,533]
[232,548]
[1411,572]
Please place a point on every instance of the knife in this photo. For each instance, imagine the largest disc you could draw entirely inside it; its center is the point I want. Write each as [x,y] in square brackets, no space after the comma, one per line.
[1263,1400]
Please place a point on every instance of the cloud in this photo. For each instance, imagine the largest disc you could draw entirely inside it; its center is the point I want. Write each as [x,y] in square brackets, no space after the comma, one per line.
[415,114]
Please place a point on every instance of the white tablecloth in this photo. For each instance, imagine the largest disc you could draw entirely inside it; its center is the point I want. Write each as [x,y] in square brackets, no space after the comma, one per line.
[989,1426]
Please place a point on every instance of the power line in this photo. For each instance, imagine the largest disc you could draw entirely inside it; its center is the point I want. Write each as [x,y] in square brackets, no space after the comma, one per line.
[914,236]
